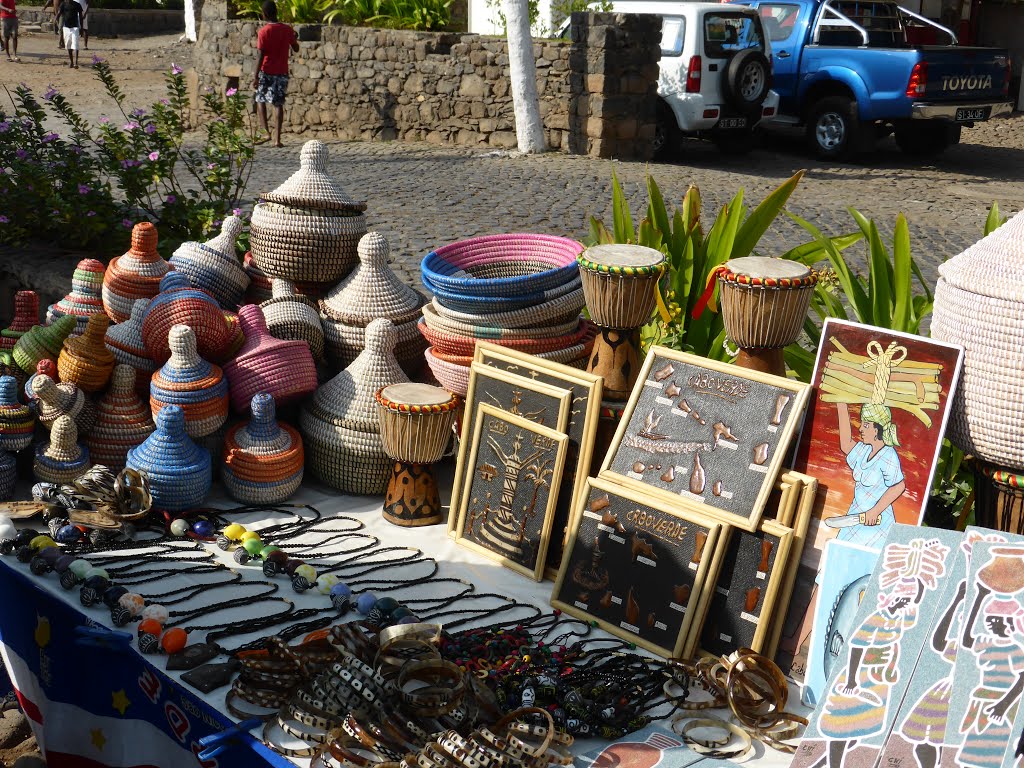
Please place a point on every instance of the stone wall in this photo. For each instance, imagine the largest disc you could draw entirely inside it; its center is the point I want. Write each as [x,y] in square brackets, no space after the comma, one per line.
[105,22]
[597,90]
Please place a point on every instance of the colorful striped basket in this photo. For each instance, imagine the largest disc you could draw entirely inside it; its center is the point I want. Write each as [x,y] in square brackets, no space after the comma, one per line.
[85,298]
[293,317]
[122,421]
[193,384]
[42,342]
[263,460]
[85,360]
[124,340]
[444,324]
[283,369]
[61,459]
[178,303]
[213,265]
[17,422]
[179,470]
[26,314]
[455,344]
[44,367]
[8,474]
[451,376]
[135,275]
[54,400]
[465,302]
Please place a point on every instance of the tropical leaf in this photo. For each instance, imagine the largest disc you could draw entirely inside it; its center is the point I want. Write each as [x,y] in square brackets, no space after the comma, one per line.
[762,217]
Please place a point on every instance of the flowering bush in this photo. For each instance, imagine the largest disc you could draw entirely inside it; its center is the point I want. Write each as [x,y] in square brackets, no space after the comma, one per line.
[138,165]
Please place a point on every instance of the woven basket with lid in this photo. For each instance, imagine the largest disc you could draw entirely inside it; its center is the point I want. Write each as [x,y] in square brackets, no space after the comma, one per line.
[260,288]
[42,342]
[54,400]
[135,275]
[979,304]
[213,266]
[124,340]
[85,298]
[263,460]
[179,470]
[122,421]
[85,360]
[197,386]
[17,422]
[283,369]
[178,303]
[61,459]
[26,314]
[293,317]
[44,367]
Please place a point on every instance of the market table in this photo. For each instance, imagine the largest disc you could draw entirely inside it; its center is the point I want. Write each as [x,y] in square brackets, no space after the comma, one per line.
[94,702]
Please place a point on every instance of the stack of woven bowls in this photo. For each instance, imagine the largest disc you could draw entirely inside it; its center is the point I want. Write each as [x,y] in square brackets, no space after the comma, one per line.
[519,290]
[124,340]
[340,424]
[293,317]
[42,342]
[371,291]
[61,459]
[17,423]
[122,421]
[26,314]
[178,303]
[85,360]
[195,385]
[135,275]
[179,471]
[213,266]
[263,459]
[85,298]
[307,229]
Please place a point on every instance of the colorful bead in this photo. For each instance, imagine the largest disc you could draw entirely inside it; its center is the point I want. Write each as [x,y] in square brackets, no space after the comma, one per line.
[277,557]
[268,550]
[174,640]
[68,534]
[120,616]
[325,584]
[223,542]
[202,528]
[133,603]
[50,555]
[249,535]
[341,597]
[150,626]
[93,571]
[270,568]
[300,583]
[62,563]
[253,546]
[234,531]
[79,567]
[308,572]
[41,542]
[291,565]
[179,527]
[365,602]
[156,613]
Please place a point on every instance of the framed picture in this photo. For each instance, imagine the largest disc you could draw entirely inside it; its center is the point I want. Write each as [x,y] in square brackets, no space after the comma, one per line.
[753,569]
[872,438]
[640,568]
[544,404]
[508,506]
[705,435]
[585,389]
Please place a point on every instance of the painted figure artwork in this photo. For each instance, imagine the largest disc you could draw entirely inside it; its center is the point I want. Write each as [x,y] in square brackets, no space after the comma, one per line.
[872,437]
[507,506]
[865,690]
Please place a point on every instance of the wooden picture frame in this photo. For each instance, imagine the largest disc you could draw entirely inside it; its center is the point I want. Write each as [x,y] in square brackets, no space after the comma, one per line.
[706,436]
[584,414]
[624,540]
[548,405]
[498,441]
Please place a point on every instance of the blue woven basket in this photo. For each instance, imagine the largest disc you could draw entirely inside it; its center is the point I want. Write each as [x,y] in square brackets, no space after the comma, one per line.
[484,304]
[179,470]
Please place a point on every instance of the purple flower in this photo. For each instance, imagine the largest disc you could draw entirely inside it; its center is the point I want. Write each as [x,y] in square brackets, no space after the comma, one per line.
[165,102]
[126,223]
[104,120]
[154,156]
[175,69]
[97,59]
[76,149]
[127,163]
[150,129]
[4,219]
[50,93]
[130,126]
[5,126]
[211,166]
[216,223]
[236,211]
[91,213]
[137,112]
[50,137]
[231,92]
[171,199]
[84,189]
[21,154]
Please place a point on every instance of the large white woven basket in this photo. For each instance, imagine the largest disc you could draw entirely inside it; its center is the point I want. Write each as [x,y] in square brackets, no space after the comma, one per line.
[979,303]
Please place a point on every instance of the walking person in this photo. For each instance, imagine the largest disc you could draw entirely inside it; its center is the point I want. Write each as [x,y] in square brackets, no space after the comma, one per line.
[9,28]
[57,28]
[70,13]
[85,22]
[273,43]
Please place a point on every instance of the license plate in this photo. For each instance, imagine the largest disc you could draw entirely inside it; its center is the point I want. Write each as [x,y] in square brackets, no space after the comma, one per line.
[970,114]
[732,122]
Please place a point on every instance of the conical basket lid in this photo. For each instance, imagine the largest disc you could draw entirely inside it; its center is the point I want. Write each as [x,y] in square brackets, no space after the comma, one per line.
[262,435]
[373,290]
[169,450]
[992,266]
[127,336]
[26,313]
[311,186]
[185,370]
[85,297]
[218,249]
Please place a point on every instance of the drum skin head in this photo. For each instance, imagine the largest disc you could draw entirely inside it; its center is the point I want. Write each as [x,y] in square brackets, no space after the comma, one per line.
[764,266]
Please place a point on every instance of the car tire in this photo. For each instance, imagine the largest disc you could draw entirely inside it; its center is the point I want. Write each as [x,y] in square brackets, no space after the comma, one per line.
[734,143]
[834,131]
[747,80]
[666,133]
[929,139]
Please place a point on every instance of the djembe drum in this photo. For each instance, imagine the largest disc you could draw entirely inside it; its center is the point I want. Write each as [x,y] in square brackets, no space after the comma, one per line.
[415,424]
[619,284]
[764,304]
[998,498]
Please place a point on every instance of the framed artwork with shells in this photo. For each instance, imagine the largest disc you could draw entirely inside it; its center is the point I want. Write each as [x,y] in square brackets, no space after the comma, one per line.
[643,570]
[704,435]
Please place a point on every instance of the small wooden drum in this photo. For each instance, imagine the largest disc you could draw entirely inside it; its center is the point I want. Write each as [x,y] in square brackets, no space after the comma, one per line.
[764,304]
[619,284]
[998,498]
[415,425]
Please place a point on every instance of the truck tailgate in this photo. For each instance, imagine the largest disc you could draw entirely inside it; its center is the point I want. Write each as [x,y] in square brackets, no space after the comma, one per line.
[965,74]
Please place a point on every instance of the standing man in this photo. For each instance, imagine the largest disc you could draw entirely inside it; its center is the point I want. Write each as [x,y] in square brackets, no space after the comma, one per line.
[85,22]
[70,13]
[273,42]
[9,28]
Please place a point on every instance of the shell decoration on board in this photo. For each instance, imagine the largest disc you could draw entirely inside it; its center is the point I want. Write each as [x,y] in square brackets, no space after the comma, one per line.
[55,400]
[85,298]
[8,474]
[61,459]
[178,303]
[213,265]
[124,340]
[17,422]
[122,421]
[135,275]
[85,360]
[179,471]
[283,369]
[263,460]
[340,423]
[308,228]
[42,342]
[293,317]
[26,314]
[196,385]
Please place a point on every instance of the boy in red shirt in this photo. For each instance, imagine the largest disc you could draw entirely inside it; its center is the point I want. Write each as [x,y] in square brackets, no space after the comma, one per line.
[273,42]
[9,29]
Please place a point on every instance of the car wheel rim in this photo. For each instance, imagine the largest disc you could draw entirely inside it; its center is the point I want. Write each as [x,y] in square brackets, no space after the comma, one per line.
[751,83]
[830,130]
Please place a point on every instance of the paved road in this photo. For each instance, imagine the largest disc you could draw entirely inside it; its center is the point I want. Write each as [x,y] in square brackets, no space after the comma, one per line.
[422,196]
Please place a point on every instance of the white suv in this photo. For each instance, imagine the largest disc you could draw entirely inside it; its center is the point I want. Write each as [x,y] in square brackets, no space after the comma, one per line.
[715,73]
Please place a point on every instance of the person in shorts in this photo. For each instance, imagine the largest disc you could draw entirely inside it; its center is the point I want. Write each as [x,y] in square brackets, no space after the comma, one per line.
[9,29]
[85,23]
[70,13]
[273,42]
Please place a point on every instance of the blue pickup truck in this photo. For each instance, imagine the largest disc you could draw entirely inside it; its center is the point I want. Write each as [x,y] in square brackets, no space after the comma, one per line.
[848,72]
